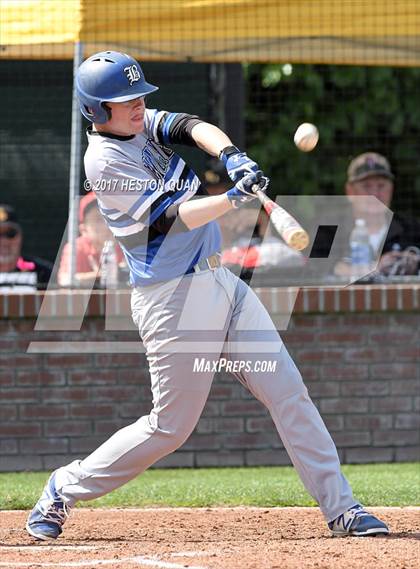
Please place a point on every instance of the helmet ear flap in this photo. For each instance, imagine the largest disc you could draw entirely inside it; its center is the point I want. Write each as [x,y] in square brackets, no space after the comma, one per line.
[108,111]
[88,112]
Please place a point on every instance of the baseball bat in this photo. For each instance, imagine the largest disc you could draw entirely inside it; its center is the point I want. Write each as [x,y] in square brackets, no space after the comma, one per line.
[286,225]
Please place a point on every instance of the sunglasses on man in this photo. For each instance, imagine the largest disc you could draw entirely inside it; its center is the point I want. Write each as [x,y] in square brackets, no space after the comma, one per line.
[9,233]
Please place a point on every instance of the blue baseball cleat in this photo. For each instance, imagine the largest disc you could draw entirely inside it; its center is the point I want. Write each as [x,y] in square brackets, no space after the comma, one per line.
[357,522]
[49,513]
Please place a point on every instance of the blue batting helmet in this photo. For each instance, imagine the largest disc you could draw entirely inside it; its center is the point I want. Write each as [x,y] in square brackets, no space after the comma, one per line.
[109,76]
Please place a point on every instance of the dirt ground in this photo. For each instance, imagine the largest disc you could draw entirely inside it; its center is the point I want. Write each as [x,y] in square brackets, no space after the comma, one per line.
[213,538]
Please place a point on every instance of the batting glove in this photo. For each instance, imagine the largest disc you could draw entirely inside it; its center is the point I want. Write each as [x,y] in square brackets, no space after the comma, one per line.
[244,190]
[237,163]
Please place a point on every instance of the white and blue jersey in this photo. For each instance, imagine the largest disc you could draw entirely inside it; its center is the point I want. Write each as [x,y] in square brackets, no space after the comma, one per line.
[138,180]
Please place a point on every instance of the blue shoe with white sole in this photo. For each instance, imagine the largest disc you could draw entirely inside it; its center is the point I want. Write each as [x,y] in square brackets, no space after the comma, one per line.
[357,522]
[49,514]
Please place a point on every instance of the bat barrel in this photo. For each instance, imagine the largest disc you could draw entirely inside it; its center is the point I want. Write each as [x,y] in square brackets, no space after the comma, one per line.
[286,225]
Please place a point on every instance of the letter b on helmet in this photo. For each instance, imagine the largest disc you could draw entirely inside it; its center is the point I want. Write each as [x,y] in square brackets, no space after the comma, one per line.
[109,76]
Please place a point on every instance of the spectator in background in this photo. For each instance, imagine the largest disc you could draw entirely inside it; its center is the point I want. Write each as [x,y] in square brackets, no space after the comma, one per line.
[18,272]
[89,245]
[370,174]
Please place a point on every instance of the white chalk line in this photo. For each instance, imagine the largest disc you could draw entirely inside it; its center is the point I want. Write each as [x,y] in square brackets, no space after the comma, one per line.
[49,548]
[191,554]
[164,564]
[137,560]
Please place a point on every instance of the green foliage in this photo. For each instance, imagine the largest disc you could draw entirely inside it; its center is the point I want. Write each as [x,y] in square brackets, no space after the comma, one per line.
[375,484]
[355,108]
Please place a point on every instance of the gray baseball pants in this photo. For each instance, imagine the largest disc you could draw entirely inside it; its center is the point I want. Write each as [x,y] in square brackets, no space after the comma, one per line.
[208,315]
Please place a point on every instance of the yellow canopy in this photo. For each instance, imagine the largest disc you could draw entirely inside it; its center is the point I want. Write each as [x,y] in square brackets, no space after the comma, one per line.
[376,32]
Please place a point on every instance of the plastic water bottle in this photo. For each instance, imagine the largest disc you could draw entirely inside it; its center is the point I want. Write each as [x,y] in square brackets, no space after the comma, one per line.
[109,266]
[360,249]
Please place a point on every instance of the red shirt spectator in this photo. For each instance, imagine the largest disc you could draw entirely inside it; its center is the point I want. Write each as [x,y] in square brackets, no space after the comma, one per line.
[93,234]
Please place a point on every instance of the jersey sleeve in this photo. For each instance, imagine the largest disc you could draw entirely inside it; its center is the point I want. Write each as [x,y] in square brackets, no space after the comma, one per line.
[125,196]
[130,201]
[170,128]
[152,118]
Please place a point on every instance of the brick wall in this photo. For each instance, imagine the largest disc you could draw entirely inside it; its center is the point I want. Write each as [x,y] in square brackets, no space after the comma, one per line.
[358,351]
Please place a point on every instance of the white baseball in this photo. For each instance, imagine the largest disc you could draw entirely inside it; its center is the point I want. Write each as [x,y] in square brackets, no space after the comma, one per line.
[306,137]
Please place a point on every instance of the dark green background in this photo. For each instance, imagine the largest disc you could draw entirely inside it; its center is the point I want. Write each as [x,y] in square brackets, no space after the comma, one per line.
[356,109]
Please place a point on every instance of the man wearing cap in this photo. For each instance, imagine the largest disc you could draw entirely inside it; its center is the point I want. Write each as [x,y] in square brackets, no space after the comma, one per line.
[89,245]
[369,174]
[18,273]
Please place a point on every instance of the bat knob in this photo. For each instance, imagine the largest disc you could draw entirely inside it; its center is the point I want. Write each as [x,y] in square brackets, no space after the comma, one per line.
[262,184]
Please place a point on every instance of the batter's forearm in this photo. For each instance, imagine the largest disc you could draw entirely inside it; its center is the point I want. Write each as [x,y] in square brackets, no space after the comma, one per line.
[196,213]
[210,138]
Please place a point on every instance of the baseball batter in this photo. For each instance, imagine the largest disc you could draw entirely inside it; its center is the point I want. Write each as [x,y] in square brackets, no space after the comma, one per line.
[183,302]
